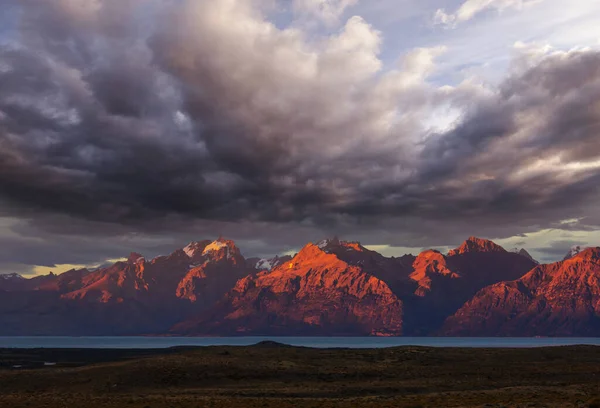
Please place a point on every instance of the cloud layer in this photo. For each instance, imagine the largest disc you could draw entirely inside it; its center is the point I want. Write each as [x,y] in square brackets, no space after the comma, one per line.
[328,11]
[470,8]
[203,117]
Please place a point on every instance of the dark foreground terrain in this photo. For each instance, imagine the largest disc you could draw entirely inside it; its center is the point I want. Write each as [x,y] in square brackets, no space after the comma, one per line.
[271,375]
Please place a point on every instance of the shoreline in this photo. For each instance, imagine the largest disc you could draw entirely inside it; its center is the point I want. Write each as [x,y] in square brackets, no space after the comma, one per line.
[147,342]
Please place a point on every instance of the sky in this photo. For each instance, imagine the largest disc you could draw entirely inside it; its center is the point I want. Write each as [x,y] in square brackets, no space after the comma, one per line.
[141,125]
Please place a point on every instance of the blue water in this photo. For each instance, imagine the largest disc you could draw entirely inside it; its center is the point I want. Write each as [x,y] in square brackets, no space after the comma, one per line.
[318,342]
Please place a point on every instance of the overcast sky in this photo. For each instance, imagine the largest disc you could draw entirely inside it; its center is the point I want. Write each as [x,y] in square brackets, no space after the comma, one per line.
[140,125]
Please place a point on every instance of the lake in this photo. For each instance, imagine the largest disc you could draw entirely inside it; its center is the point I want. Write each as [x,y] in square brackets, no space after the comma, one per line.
[318,342]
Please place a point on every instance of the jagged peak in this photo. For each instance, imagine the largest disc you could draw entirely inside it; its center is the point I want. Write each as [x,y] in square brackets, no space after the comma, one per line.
[430,254]
[222,249]
[195,247]
[475,244]
[574,251]
[309,252]
[431,262]
[177,254]
[330,244]
[271,263]
[327,242]
[588,254]
[219,244]
[134,257]
[324,255]
[311,249]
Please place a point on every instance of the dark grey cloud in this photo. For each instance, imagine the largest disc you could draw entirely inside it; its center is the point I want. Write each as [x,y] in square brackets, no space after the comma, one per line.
[187,119]
[558,249]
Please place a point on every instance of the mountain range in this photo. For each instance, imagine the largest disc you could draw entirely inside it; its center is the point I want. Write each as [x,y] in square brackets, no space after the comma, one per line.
[329,288]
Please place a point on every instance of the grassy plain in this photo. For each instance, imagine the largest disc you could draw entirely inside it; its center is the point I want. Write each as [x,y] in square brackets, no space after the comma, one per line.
[275,376]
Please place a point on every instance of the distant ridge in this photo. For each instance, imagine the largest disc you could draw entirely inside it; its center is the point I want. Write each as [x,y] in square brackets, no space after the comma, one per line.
[332,287]
[474,244]
[559,299]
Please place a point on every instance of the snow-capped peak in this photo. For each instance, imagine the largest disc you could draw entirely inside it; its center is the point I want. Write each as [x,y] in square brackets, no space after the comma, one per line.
[575,249]
[189,249]
[11,276]
[322,244]
[264,264]
[327,242]
[214,246]
[272,263]
[193,248]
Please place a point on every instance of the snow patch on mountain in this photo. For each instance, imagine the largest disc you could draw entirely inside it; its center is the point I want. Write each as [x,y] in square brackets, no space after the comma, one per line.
[264,264]
[195,248]
[271,263]
[189,250]
[11,276]
[214,246]
[328,242]
[575,249]
[322,244]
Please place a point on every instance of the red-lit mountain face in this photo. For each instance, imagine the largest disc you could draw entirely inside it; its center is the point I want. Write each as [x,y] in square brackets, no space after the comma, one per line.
[309,295]
[445,283]
[393,271]
[215,273]
[331,288]
[560,299]
[316,293]
[128,297]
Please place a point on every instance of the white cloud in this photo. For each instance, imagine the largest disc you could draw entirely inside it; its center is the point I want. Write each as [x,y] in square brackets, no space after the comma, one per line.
[275,81]
[327,11]
[470,8]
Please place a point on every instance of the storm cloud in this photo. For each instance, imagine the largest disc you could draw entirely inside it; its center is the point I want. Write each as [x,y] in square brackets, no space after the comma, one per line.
[183,118]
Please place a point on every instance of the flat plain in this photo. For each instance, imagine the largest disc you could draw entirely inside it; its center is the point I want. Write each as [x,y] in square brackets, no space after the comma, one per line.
[277,376]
